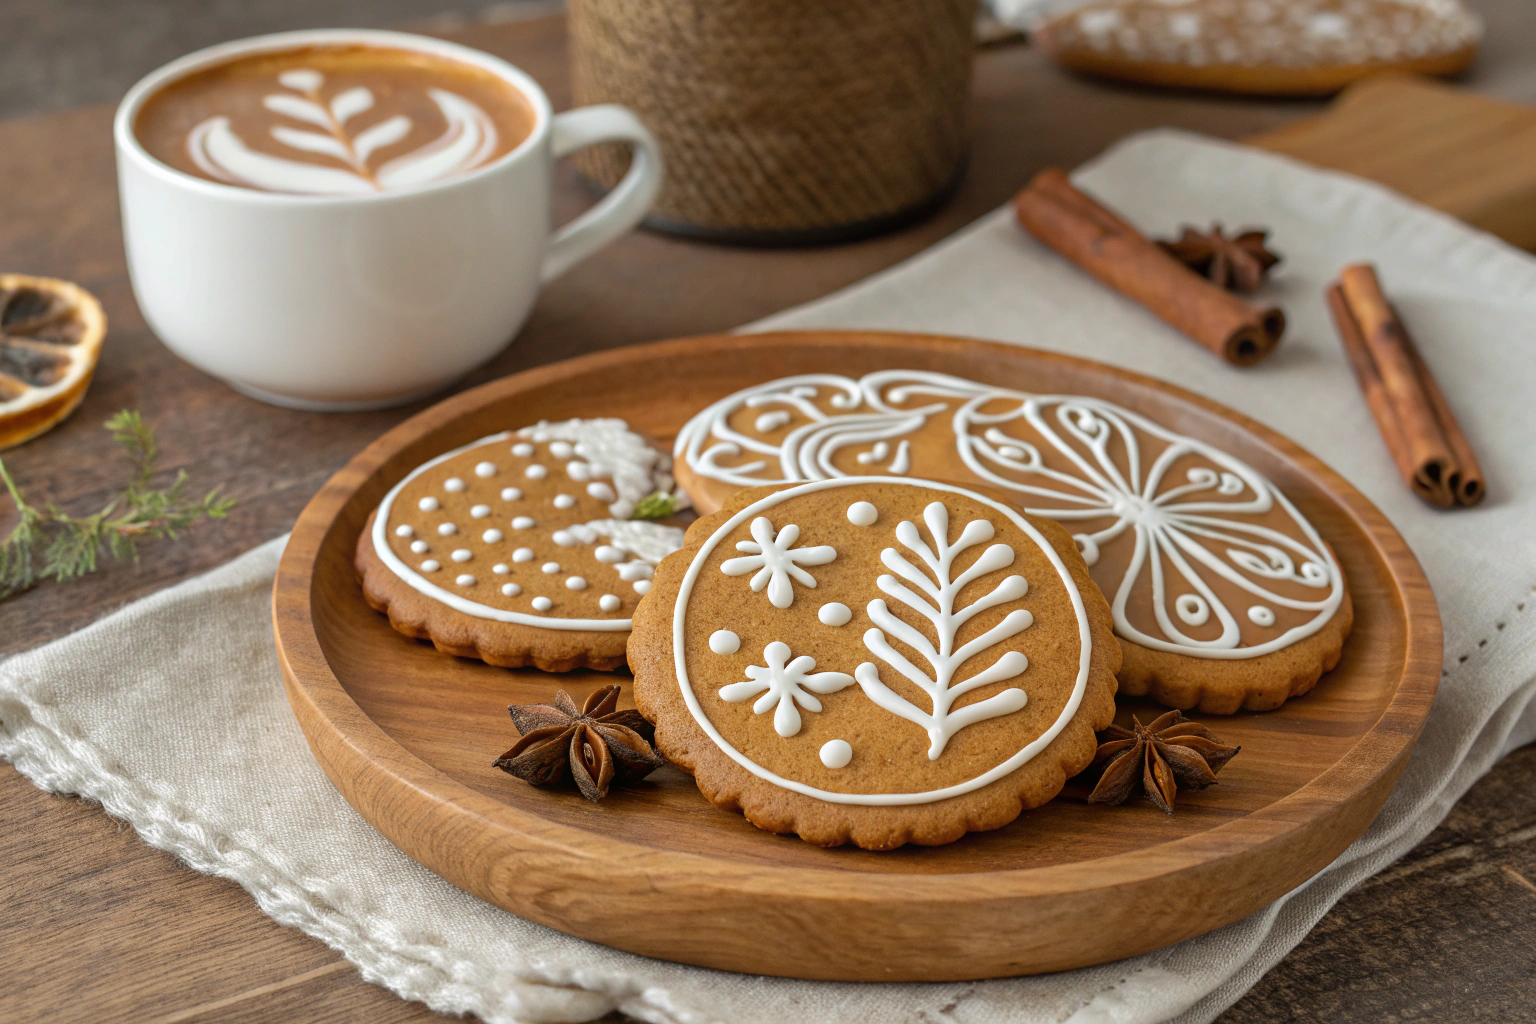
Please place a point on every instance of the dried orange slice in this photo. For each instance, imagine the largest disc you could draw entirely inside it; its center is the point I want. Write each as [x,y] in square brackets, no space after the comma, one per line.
[50,340]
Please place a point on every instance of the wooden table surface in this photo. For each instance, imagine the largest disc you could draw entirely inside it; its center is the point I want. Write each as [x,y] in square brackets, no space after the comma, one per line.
[99,926]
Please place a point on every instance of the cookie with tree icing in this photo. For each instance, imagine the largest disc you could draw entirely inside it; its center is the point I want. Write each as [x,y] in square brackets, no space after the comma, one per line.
[1225,597]
[875,660]
[520,549]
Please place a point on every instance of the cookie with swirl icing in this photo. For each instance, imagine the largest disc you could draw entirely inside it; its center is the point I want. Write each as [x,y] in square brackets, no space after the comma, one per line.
[875,661]
[1225,597]
[520,549]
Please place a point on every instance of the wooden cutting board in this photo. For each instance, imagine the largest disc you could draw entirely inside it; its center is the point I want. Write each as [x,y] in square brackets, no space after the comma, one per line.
[1468,155]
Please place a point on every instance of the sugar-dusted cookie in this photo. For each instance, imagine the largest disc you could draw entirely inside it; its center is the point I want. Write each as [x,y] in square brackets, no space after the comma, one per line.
[875,660]
[1263,47]
[518,549]
[1225,597]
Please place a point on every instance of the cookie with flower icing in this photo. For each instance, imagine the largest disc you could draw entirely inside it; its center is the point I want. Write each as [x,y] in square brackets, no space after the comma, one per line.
[1225,597]
[1264,47]
[520,549]
[875,660]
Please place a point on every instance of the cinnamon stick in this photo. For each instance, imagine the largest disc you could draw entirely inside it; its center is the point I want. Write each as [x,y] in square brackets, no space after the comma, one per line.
[1416,423]
[1105,245]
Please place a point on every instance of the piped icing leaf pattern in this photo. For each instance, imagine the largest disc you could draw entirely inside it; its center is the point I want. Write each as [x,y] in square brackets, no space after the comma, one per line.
[934,597]
[1188,541]
[785,682]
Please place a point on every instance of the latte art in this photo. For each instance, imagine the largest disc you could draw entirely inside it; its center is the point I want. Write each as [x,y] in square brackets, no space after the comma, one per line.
[338,121]
[468,141]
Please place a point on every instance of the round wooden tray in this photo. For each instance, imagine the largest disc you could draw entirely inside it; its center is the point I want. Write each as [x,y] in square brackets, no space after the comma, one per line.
[408,734]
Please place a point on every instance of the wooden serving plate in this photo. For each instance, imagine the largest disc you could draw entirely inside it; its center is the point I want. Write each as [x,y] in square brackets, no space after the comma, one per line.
[408,734]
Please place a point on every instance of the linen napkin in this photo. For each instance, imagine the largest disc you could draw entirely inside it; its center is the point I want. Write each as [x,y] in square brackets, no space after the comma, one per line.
[141,710]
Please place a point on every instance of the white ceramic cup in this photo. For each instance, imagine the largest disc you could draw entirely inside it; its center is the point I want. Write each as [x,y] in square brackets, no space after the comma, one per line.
[354,302]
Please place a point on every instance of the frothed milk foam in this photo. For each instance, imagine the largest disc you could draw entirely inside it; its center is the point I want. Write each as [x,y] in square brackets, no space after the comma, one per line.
[334,120]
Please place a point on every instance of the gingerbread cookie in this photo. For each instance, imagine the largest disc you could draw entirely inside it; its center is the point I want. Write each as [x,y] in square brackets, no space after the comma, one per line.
[1262,47]
[1224,596]
[518,549]
[874,660]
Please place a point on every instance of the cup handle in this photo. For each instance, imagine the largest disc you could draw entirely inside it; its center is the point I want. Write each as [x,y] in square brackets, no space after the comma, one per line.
[621,209]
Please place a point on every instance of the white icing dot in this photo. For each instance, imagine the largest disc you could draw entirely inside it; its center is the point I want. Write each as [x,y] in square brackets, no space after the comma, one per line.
[836,753]
[430,565]
[522,523]
[511,589]
[523,555]
[462,555]
[480,511]
[564,538]
[447,529]
[491,536]
[485,469]
[419,546]
[642,586]
[501,568]
[542,604]
[862,513]
[609,602]
[561,449]
[834,614]
[522,449]
[428,504]
[564,501]
[575,583]
[453,485]
[578,471]
[550,568]
[610,554]
[601,491]
[510,494]
[536,472]
[1259,615]
[1192,609]
[636,570]
[723,641]
[465,580]
[403,530]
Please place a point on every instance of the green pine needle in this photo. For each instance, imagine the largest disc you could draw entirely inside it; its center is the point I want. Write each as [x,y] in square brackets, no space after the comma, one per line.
[655,506]
[48,543]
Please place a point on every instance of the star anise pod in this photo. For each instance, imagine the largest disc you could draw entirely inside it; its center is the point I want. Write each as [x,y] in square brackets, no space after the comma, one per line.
[1237,264]
[1169,753]
[594,744]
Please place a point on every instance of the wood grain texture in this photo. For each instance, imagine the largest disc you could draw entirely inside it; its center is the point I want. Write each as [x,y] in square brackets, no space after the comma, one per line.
[408,734]
[1468,155]
[141,936]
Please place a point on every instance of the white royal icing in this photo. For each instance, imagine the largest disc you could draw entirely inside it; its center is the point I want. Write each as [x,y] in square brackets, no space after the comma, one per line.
[937,604]
[784,683]
[723,641]
[608,449]
[836,753]
[609,602]
[1205,527]
[485,469]
[862,513]
[835,613]
[404,530]
[775,560]
[511,494]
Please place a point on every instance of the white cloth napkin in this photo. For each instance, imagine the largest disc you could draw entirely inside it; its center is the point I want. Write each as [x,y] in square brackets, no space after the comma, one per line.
[171,712]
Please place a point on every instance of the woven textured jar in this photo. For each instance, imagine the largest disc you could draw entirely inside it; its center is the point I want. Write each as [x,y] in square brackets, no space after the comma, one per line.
[783,121]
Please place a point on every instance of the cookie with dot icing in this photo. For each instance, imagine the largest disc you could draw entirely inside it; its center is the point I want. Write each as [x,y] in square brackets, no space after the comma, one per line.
[518,549]
[1225,597]
[875,661]
[1262,47]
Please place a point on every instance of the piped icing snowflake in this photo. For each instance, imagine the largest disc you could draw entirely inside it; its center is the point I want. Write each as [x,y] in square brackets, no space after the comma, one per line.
[776,561]
[784,683]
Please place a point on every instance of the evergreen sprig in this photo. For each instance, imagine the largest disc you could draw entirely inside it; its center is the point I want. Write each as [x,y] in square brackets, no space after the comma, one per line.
[656,506]
[49,543]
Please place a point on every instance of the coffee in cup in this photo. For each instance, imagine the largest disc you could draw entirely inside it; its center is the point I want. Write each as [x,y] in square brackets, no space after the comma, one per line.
[334,120]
